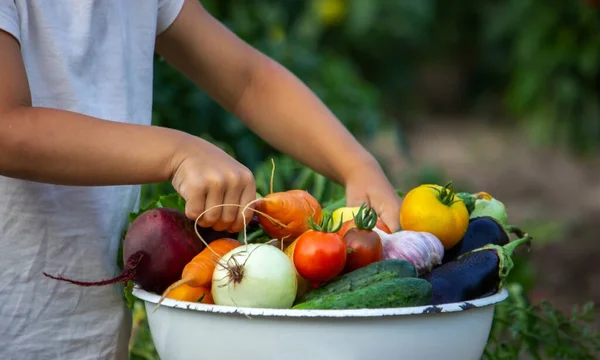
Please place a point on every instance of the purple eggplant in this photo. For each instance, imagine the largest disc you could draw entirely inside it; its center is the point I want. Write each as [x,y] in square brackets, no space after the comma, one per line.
[477,273]
[482,231]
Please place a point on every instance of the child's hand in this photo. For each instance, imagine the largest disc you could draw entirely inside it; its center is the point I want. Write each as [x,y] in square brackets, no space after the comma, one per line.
[206,176]
[372,186]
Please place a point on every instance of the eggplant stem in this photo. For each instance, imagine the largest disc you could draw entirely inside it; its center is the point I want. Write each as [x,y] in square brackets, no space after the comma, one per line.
[506,263]
[515,230]
[504,253]
[511,246]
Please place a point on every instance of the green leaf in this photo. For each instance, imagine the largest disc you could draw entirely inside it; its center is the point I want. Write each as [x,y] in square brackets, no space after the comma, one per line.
[257,236]
[361,16]
[589,59]
[319,187]
[540,331]
[128,294]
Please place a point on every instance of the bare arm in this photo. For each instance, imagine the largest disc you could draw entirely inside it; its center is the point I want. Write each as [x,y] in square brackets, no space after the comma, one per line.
[63,147]
[265,96]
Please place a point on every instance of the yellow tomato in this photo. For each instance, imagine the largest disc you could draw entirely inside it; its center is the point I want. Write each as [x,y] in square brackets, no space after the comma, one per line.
[289,251]
[436,210]
[347,213]
[303,284]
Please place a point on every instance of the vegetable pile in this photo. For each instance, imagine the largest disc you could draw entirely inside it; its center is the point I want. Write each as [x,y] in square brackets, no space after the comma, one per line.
[298,254]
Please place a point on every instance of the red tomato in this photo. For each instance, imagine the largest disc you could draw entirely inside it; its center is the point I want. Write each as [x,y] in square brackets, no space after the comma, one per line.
[350,224]
[319,256]
[365,248]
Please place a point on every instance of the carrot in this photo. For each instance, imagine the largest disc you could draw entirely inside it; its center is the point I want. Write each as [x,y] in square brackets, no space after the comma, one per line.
[192,294]
[292,209]
[284,215]
[208,298]
[199,271]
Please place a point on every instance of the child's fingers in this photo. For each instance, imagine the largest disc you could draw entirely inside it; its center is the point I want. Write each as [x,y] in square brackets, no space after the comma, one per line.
[248,195]
[391,219]
[214,201]
[229,213]
[194,206]
[355,200]
[387,207]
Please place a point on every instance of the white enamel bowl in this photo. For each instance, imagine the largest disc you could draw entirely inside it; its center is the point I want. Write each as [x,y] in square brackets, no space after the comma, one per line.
[193,331]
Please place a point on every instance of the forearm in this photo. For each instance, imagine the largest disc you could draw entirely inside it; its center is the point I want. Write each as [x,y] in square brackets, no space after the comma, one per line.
[264,95]
[62,147]
[277,106]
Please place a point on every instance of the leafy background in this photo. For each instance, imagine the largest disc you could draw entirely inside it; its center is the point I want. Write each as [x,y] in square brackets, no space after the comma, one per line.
[495,95]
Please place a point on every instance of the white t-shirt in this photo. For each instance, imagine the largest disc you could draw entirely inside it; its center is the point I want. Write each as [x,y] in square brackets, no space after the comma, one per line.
[93,57]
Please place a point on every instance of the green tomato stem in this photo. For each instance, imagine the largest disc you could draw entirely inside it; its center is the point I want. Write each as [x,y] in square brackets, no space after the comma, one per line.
[446,194]
[365,218]
[325,225]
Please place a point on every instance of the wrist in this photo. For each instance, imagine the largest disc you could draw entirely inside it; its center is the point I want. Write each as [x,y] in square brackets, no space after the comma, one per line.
[359,166]
[189,147]
[183,144]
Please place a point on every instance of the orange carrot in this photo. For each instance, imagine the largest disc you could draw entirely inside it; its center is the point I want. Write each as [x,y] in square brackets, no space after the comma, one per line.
[192,294]
[199,271]
[291,209]
[208,298]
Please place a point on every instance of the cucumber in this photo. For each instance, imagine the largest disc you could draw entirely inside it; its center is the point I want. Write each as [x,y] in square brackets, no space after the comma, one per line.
[364,276]
[389,293]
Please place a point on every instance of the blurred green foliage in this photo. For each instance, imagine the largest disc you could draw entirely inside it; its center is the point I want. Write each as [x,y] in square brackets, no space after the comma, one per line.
[552,60]
[525,330]
[374,63]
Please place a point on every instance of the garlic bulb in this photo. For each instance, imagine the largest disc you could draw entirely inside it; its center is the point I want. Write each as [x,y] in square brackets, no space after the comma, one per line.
[421,249]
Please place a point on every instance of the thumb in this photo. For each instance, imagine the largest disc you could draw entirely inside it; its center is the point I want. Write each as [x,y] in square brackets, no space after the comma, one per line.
[354,199]
[391,219]
[389,212]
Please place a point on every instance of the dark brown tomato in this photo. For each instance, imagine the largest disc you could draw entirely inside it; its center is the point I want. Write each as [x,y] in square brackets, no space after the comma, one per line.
[364,247]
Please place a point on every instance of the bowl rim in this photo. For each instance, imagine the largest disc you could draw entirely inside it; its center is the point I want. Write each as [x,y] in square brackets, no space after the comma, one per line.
[491,300]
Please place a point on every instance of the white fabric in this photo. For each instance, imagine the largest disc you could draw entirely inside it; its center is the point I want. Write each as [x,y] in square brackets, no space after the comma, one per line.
[94,57]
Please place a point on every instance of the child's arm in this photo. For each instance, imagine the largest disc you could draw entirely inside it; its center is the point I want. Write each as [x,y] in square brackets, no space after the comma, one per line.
[275,105]
[265,96]
[61,147]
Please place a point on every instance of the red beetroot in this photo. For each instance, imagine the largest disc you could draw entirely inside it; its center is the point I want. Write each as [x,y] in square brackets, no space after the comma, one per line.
[157,246]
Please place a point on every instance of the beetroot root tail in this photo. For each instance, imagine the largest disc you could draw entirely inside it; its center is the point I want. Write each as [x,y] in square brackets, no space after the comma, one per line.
[127,274]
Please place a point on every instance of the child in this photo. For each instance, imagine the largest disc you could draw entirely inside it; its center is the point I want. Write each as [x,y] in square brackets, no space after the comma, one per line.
[76,142]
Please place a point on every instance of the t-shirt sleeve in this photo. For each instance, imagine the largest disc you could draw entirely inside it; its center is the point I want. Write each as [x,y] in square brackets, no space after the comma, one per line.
[167,12]
[9,18]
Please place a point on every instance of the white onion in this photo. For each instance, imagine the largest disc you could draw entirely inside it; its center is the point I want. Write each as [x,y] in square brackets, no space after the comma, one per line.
[255,275]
